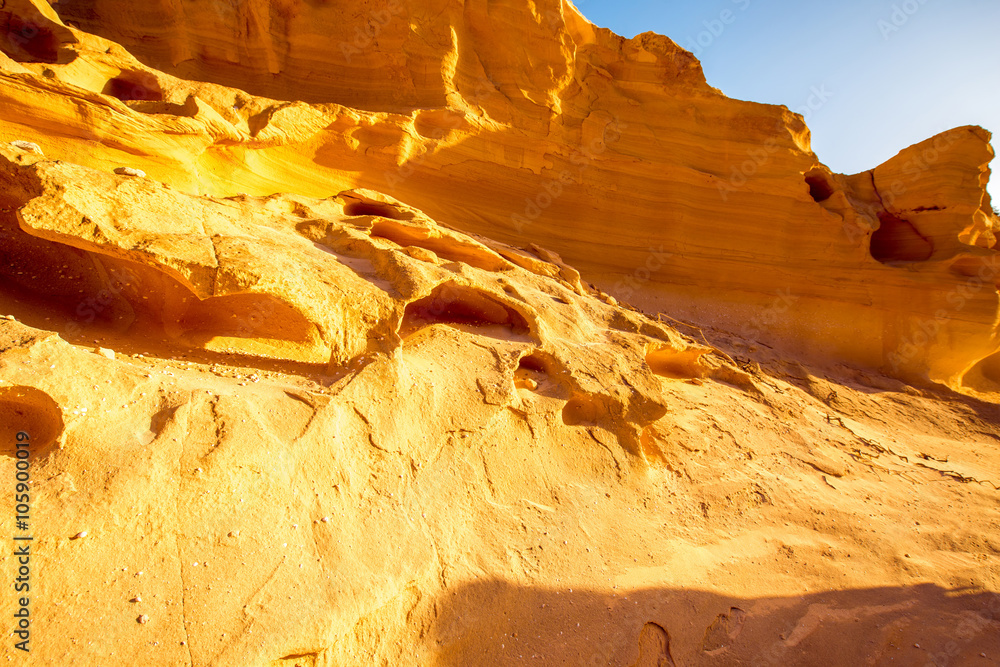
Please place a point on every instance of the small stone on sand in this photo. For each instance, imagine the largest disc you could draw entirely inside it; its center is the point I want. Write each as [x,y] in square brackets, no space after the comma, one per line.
[27,146]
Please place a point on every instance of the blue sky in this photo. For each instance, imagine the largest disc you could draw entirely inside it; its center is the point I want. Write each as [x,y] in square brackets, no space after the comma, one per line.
[895,71]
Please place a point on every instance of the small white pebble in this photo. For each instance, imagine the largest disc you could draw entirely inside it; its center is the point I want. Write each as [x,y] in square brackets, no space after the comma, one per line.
[26,146]
[130,171]
[136,599]
[143,619]
[80,535]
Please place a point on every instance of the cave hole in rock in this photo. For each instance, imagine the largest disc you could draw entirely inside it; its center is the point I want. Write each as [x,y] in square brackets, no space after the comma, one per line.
[134,87]
[897,240]
[542,374]
[30,411]
[532,372]
[820,186]
[443,247]
[357,207]
[533,363]
[457,305]
[25,40]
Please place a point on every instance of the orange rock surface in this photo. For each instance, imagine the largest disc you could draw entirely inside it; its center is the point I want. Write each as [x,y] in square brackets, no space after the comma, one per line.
[439,333]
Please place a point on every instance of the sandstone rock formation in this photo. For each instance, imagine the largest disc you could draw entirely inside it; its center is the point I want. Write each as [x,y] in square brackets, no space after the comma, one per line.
[302,326]
[523,124]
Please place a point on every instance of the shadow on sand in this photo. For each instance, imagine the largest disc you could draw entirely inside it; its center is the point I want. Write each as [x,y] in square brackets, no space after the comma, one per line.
[498,623]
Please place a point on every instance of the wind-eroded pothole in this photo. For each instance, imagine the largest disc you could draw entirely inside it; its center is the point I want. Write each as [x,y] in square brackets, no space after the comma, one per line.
[89,297]
[467,308]
[445,247]
[583,410]
[541,374]
[29,420]
[677,364]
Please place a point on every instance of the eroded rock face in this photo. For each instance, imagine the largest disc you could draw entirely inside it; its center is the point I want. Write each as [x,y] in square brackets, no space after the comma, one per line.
[302,331]
[282,430]
[533,124]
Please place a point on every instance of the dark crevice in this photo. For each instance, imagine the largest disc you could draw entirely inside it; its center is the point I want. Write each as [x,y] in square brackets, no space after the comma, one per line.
[820,187]
[446,248]
[897,240]
[134,86]
[377,209]
[533,362]
[466,307]
[34,38]
[28,41]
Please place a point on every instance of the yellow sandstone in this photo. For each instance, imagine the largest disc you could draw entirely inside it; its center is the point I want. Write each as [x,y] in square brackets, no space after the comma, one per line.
[470,333]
